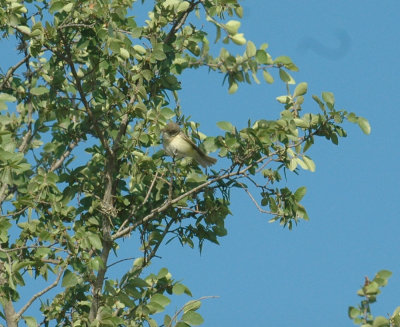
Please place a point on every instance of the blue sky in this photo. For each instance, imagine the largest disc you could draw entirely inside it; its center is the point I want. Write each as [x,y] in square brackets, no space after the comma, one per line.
[268,276]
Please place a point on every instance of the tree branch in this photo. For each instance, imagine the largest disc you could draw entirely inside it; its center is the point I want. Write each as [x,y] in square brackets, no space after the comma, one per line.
[179,23]
[12,70]
[253,199]
[78,85]
[59,162]
[39,294]
[170,202]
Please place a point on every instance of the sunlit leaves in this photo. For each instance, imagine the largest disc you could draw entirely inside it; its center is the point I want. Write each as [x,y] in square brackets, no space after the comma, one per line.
[364,125]
[232,27]
[268,77]
[285,77]
[300,89]
[361,315]
[251,49]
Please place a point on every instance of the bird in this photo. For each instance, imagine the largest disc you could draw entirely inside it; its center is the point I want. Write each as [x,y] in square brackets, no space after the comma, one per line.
[178,145]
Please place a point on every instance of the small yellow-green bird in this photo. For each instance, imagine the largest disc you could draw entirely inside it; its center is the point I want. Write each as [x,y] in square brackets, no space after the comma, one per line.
[178,145]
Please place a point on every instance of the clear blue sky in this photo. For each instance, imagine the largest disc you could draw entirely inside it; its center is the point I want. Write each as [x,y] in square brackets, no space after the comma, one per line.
[268,276]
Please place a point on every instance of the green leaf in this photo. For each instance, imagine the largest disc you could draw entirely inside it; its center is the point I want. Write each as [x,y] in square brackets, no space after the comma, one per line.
[310,164]
[268,77]
[39,90]
[141,50]
[182,324]
[167,320]
[262,57]
[192,305]
[384,274]
[179,289]
[396,317]
[159,55]
[226,126]
[183,6]
[285,77]
[30,321]
[292,164]
[124,53]
[364,125]
[160,299]
[162,273]
[56,6]
[192,318]
[95,240]
[300,89]
[284,60]
[380,321]
[239,39]
[353,312]
[69,279]
[167,113]
[7,97]
[283,99]
[300,192]
[232,27]
[24,29]
[329,98]
[233,87]
[67,7]
[251,49]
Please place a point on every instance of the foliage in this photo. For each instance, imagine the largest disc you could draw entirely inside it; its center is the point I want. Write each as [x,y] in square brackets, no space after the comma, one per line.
[361,315]
[81,165]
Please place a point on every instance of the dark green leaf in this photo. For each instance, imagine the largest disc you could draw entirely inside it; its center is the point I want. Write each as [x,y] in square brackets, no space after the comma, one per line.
[69,279]
[300,192]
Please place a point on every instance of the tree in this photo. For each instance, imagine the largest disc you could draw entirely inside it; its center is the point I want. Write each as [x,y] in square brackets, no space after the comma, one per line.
[93,84]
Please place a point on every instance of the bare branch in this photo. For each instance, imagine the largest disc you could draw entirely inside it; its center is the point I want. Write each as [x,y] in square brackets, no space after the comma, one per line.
[12,70]
[253,199]
[28,135]
[119,261]
[39,294]
[59,162]
[155,249]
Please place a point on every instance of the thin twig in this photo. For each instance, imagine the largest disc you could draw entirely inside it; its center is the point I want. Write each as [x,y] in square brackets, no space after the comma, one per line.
[119,261]
[154,251]
[253,199]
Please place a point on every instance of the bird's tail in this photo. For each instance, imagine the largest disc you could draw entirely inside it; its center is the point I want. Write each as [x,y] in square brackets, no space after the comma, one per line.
[205,160]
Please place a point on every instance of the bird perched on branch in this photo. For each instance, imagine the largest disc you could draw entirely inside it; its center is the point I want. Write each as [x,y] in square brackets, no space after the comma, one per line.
[178,145]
